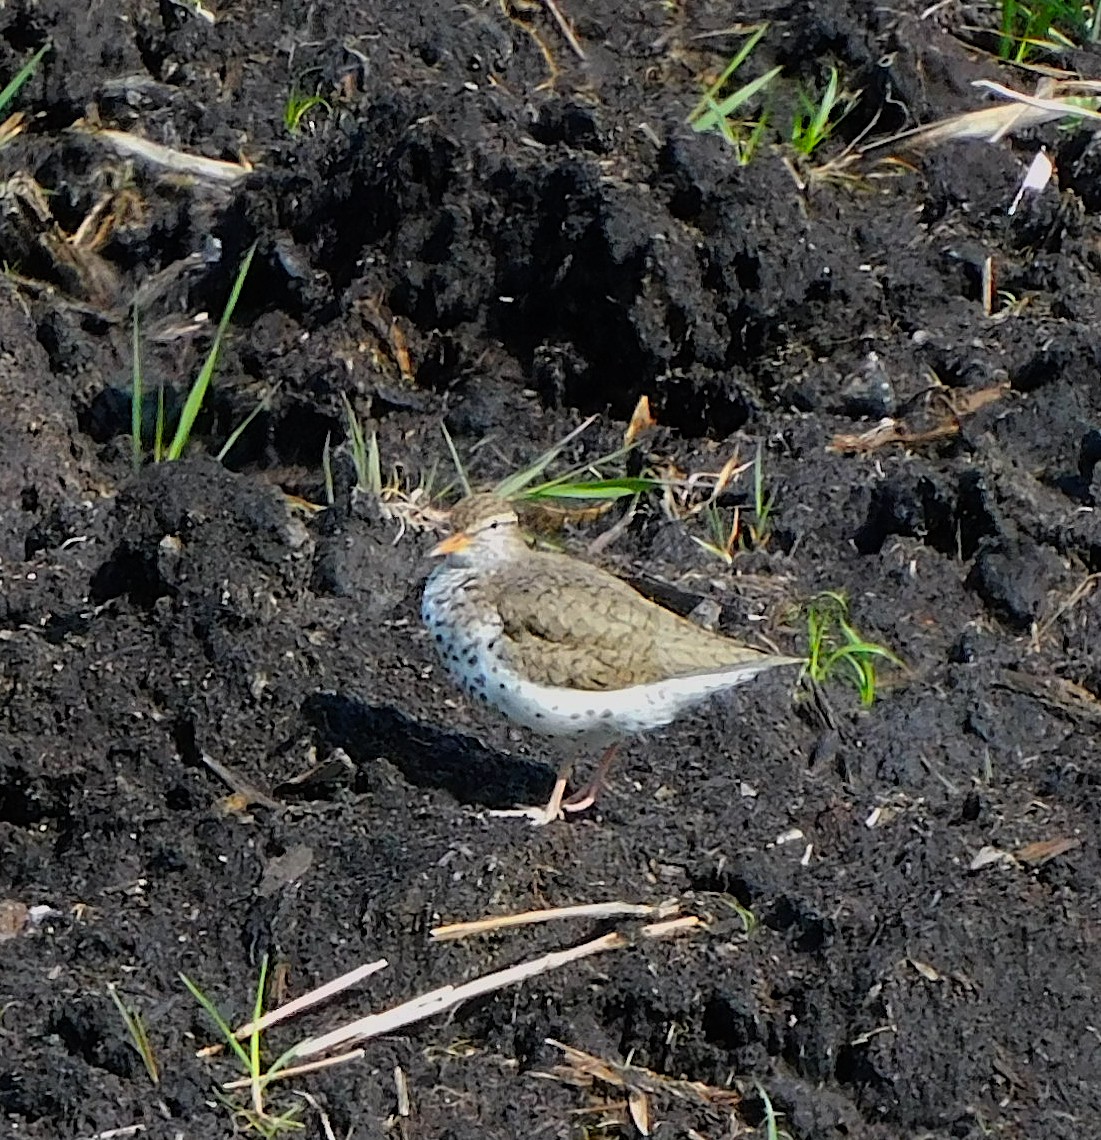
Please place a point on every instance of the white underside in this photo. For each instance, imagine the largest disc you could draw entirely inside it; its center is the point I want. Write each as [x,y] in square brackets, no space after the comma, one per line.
[609,714]
[597,715]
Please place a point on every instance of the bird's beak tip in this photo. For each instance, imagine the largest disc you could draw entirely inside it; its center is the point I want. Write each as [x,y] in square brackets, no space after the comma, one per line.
[450,545]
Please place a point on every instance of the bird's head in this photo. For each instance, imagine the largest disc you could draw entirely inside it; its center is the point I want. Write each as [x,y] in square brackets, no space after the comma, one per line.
[485,530]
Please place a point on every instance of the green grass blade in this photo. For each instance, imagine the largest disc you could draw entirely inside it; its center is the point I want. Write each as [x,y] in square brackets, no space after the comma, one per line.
[751,144]
[463,480]
[821,120]
[202,382]
[135,1026]
[11,89]
[710,96]
[593,489]
[366,458]
[257,1013]
[760,506]
[743,53]
[726,107]
[136,396]
[374,466]
[868,648]
[262,405]
[509,488]
[158,430]
[356,442]
[772,1126]
[863,677]
[212,1011]
[327,469]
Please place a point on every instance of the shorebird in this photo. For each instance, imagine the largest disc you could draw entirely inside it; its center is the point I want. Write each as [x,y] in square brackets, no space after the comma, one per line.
[564,648]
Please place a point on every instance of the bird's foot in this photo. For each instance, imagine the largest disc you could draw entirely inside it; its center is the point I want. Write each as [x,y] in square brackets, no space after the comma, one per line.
[536,816]
[541,816]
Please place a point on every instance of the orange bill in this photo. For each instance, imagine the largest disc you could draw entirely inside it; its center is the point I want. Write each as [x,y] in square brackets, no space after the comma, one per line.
[458,541]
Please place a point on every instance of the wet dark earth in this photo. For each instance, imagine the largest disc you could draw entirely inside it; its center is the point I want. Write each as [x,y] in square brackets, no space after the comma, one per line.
[223,735]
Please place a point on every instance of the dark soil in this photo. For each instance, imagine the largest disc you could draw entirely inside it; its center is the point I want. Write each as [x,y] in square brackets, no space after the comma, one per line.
[546,246]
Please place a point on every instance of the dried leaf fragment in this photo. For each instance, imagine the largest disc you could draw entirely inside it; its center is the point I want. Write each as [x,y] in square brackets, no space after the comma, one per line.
[1044,850]
[641,421]
[638,1104]
[929,973]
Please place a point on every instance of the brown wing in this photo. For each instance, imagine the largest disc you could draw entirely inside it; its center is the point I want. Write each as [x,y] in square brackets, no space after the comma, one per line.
[566,623]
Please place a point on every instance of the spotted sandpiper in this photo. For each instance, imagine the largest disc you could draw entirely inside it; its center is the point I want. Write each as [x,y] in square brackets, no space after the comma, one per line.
[564,648]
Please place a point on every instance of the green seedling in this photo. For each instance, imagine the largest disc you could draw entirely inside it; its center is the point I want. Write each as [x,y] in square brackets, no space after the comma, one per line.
[327,469]
[722,537]
[750,922]
[578,489]
[814,121]
[834,645]
[195,397]
[396,495]
[725,539]
[17,81]
[198,391]
[254,1115]
[588,484]
[721,109]
[760,531]
[1048,26]
[137,404]
[137,389]
[365,453]
[139,1037]
[460,469]
[772,1117]
[297,106]
[263,405]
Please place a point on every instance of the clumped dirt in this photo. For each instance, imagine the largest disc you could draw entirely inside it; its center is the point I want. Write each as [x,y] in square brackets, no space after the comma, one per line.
[481,228]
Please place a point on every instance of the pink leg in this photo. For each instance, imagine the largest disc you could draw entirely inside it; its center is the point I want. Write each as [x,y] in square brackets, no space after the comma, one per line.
[587,796]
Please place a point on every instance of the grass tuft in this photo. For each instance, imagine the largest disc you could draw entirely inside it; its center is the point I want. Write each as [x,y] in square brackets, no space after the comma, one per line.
[139,1036]
[724,539]
[764,501]
[1028,30]
[254,1115]
[586,485]
[772,1117]
[365,453]
[20,78]
[814,120]
[722,110]
[833,646]
[739,116]
[298,106]
[588,482]
[197,395]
